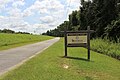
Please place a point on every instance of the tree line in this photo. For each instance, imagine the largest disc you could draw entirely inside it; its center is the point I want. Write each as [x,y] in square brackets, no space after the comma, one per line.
[103,16]
[12,32]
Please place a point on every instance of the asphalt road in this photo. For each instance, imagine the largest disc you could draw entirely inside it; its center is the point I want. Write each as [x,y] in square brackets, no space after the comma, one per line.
[9,59]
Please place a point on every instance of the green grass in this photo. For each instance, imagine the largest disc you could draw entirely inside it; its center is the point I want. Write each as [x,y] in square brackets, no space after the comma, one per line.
[106,47]
[49,65]
[14,40]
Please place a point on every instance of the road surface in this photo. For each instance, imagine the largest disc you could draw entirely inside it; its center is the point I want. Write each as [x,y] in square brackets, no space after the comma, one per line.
[9,59]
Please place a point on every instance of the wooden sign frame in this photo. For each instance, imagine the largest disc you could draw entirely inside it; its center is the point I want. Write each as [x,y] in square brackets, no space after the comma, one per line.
[76,39]
[87,45]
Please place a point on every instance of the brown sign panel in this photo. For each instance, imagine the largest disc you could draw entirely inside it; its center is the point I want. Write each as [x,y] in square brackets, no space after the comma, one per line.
[77,39]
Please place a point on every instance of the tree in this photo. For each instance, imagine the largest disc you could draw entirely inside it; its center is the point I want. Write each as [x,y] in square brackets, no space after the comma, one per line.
[7,31]
[97,14]
[74,20]
[113,30]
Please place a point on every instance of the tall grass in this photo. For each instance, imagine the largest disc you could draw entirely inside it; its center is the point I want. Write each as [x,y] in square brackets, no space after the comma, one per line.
[107,47]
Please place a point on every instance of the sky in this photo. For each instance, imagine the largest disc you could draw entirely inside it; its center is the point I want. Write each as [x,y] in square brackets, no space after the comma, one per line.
[35,16]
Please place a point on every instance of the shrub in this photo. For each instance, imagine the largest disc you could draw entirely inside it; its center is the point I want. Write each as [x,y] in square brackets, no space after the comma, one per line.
[107,47]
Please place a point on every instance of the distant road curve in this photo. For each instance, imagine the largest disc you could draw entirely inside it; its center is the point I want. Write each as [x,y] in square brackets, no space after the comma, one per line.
[9,59]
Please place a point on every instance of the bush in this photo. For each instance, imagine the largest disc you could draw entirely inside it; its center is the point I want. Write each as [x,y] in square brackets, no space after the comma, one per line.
[107,47]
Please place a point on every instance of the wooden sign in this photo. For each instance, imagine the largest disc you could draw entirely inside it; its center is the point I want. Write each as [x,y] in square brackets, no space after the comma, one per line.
[78,39]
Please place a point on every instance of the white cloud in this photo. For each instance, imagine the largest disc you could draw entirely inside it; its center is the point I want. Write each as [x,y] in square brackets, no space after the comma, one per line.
[43,6]
[3,3]
[13,23]
[1,17]
[39,28]
[18,3]
[10,20]
[43,11]
[15,12]
[56,5]
[27,13]
[73,1]
[50,13]
[47,19]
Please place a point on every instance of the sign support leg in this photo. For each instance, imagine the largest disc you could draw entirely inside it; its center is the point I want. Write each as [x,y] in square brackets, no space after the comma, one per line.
[88,40]
[65,43]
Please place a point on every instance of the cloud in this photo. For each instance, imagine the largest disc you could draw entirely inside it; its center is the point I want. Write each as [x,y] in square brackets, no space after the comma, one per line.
[45,6]
[18,3]
[17,24]
[3,4]
[39,28]
[73,1]
[37,15]
[47,19]
[15,3]
[13,23]
[27,13]
[15,12]
[51,12]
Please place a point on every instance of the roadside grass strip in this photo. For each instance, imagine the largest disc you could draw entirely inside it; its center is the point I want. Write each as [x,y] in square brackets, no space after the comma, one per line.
[51,65]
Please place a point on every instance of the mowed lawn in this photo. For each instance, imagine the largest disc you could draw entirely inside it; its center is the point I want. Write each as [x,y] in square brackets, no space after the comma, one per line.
[51,65]
[14,40]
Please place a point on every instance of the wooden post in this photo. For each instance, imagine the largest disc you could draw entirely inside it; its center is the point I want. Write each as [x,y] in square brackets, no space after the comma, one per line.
[88,42]
[65,37]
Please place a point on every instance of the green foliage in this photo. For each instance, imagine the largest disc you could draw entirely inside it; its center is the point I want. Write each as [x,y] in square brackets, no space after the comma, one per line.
[98,14]
[86,14]
[7,31]
[12,32]
[113,30]
[50,65]
[106,47]
[74,20]
[6,40]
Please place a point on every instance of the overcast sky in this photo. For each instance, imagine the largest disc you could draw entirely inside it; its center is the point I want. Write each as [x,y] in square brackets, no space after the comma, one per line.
[35,15]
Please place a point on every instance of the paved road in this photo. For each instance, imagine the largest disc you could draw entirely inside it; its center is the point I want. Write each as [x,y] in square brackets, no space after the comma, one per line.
[12,57]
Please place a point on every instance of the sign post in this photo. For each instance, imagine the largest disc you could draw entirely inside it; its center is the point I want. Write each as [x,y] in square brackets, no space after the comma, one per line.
[88,42]
[78,39]
[65,35]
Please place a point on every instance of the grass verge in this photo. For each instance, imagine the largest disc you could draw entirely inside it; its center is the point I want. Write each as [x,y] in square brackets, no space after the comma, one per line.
[50,65]
[14,40]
